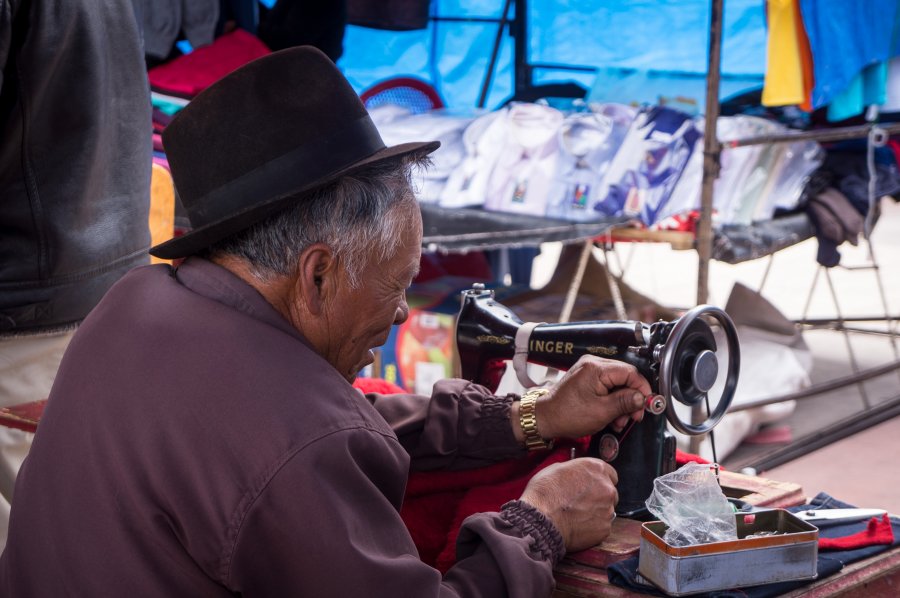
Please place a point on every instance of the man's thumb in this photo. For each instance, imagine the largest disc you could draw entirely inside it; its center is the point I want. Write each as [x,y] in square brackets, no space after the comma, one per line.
[628,401]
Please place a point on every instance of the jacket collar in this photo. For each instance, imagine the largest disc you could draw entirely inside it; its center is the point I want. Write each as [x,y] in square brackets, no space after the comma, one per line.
[218,284]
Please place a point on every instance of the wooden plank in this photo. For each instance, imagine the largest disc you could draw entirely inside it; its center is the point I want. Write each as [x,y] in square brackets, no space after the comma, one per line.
[573,579]
[679,240]
[761,492]
[624,541]
[584,573]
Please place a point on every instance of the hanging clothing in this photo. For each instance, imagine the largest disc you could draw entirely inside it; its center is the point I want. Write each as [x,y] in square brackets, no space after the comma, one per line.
[162,21]
[845,36]
[868,88]
[892,87]
[789,68]
[835,220]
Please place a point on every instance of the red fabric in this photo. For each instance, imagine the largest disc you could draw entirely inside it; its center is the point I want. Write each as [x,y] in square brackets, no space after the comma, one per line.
[188,75]
[377,385]
[24,416]
[472,265]
[895,147]
[438,502]
[681,458]
[686,222]
[878,531]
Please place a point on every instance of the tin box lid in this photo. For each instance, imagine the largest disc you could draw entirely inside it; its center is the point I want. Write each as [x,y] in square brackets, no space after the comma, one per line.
[786,527]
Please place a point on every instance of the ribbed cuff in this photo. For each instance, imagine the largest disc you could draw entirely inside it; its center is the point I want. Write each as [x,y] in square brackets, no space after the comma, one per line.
[496,409]
[494,421]
[547,541]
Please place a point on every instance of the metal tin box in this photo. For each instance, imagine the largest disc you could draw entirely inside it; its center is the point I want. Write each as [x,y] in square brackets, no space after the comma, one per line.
[789,553]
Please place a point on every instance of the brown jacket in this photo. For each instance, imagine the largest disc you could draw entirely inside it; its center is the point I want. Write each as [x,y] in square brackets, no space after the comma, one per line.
[194,445]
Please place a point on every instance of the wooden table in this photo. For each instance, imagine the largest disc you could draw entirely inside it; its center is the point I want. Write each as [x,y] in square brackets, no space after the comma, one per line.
[583,574]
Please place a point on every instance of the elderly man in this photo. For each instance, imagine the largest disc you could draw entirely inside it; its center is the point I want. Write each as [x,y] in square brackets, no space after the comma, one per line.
[203,437]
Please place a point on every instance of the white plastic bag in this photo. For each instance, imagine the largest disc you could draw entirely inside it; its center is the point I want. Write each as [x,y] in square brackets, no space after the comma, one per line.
[691,503]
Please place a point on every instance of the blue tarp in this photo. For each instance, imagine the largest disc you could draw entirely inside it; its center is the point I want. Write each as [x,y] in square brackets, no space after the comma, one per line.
[643,49]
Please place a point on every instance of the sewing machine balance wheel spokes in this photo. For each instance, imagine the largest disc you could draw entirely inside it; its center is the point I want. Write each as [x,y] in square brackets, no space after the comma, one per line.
[688,366]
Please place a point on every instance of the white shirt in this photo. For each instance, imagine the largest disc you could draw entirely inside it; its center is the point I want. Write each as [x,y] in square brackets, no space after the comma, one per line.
[588,142]
[527,164]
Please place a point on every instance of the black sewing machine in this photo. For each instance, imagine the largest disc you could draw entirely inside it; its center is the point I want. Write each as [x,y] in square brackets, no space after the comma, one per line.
[678,358]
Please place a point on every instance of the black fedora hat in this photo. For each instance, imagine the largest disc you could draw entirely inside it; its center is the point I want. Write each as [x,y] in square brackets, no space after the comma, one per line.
[247,145]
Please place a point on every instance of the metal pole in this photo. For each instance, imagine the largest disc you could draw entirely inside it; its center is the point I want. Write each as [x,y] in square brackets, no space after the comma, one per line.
[492,63]
[818,389]
[519,28]
[834,134]
[711,150]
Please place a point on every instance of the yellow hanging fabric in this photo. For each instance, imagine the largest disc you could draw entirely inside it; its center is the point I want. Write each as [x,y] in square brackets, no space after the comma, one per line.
[789,72]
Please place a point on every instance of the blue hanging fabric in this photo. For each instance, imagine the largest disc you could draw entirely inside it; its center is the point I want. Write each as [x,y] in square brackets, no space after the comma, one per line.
[845,37]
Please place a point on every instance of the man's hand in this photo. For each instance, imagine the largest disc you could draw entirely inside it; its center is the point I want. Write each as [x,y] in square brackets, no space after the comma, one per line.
[592,394]
[579,497]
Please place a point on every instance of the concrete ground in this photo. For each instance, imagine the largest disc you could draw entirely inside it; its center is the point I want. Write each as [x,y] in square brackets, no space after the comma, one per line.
[862,468]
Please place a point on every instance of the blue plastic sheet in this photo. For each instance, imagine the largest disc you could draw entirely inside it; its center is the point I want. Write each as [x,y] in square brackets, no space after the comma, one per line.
[664,41]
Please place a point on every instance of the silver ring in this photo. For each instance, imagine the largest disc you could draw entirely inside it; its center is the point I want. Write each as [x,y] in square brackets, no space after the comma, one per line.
[613,517]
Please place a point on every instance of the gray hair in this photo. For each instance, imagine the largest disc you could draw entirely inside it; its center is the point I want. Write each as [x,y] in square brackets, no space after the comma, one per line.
[359,215]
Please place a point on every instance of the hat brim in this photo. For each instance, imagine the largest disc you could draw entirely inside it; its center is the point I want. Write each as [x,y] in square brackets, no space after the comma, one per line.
[204,236]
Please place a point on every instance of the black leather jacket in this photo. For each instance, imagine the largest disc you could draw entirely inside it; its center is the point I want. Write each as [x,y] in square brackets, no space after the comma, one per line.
[75,158]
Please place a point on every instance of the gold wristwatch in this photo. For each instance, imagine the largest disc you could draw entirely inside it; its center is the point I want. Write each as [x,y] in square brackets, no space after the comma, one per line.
[528,420]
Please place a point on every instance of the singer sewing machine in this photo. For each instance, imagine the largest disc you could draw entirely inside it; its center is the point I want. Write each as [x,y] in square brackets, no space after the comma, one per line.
[678,358]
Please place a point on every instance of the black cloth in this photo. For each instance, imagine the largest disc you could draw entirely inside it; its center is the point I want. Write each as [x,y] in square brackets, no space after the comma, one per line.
[736,243]
[318,23]
[836,220]
[75,158]
[829,562]
[846,172]
[242,13]
[845,169]
[396,15]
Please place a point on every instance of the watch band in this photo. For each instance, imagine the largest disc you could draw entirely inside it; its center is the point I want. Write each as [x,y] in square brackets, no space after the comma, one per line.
[528,420]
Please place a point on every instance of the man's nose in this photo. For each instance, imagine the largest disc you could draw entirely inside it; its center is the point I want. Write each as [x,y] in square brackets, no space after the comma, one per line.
[402,313]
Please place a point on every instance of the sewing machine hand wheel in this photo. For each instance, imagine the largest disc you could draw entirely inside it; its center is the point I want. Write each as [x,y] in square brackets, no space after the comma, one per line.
[689,367]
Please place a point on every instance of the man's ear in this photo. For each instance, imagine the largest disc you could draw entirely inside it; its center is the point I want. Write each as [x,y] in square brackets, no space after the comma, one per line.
[317,277]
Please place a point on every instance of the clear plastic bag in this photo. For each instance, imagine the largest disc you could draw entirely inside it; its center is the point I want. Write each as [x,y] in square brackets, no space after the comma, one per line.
[691,503]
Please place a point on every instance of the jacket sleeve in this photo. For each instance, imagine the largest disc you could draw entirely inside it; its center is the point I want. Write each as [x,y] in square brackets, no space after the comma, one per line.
[328,524]
[461,426]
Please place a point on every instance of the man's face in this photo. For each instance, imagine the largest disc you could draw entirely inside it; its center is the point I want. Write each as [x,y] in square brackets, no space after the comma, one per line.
[360,319]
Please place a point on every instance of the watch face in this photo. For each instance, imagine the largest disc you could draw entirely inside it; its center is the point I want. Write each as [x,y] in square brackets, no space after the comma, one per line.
[609,447]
